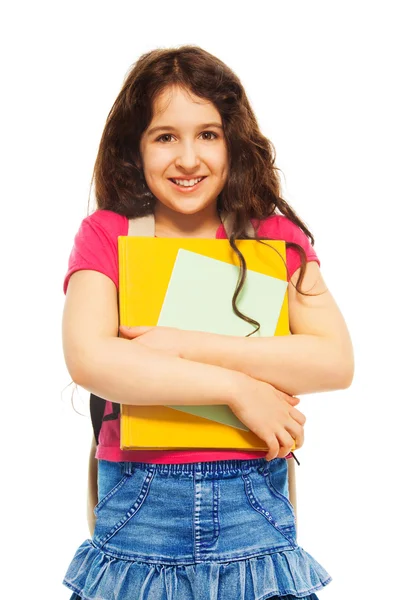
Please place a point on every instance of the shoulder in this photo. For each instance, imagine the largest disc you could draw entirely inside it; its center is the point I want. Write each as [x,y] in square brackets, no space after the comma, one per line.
[96,245]
[279,227]
[104,222]
[283,228]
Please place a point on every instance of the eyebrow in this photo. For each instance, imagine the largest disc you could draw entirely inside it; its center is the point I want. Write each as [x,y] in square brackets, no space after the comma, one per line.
[170,128]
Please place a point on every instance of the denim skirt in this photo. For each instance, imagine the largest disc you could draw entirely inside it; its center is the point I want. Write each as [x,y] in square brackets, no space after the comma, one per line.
[221,530]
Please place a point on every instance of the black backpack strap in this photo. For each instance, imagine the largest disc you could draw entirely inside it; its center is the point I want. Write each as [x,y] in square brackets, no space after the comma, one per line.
[97,407]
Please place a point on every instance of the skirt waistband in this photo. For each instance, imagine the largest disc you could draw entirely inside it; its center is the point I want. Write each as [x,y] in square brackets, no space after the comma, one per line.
[218,468]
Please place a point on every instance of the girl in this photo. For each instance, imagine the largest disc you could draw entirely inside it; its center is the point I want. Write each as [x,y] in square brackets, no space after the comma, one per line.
[182,142]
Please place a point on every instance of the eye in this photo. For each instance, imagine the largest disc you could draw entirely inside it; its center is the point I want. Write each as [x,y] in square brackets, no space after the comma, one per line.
[163,136]
[210,133]
[168,135]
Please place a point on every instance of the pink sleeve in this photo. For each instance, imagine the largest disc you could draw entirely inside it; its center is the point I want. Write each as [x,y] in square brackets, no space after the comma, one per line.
[279,227]
[96,245]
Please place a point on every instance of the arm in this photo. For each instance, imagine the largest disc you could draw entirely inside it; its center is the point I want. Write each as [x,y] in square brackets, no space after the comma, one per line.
[126,373]
[318,357]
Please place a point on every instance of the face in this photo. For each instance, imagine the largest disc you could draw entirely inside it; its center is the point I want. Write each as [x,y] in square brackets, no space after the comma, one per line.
[188,144]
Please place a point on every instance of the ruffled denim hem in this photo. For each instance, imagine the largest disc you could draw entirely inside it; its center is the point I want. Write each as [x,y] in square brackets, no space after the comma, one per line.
[95,575]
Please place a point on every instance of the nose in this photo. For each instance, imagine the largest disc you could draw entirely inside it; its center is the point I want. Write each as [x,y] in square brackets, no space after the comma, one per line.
[187,156]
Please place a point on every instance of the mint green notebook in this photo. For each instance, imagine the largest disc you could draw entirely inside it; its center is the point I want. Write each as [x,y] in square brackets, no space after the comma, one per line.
[199,298]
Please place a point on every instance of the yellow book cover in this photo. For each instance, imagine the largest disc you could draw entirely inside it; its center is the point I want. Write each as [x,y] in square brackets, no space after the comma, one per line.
[189,283]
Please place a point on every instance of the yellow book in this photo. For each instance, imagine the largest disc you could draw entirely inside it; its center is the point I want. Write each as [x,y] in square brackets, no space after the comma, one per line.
[157,285]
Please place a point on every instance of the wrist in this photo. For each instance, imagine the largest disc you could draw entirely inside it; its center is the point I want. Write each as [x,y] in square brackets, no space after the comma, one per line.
[240,386]
[185,345]
[191,345]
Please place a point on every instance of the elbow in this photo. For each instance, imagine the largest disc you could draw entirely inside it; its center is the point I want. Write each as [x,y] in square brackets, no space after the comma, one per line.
[87,371]
[348,366]
[337,372]
[78,376]
[346,380]
[345,372]
[348,375]
[340,358]
[77,362]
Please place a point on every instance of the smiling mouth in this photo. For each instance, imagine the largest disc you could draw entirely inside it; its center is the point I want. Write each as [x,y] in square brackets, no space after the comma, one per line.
[184,188]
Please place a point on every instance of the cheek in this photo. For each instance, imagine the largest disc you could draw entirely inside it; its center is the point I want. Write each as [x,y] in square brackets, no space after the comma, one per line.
[222,163]
[224,172]
[155,162]
[153,172]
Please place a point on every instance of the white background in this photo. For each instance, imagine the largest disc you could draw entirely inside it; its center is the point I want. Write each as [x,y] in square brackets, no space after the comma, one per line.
[322,78]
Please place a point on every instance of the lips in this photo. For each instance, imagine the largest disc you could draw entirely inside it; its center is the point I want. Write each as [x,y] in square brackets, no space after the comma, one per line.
[187,179]
[186,189]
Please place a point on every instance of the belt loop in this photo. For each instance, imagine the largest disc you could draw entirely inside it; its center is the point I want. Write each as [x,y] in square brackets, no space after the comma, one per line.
[127,468]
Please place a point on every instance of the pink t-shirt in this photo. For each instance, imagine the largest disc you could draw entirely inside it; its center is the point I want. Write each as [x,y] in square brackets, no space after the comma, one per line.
[96,248]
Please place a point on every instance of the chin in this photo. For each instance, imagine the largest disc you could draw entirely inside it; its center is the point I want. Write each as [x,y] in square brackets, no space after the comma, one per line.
[188,207]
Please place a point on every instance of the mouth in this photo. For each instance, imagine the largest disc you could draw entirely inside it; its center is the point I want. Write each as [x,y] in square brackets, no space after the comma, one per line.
[187,188]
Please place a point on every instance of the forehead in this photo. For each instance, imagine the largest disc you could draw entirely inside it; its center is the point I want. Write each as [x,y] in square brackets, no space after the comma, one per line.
[182,105]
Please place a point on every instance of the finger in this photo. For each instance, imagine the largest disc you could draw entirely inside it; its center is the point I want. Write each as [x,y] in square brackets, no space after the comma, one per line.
[286,442]
[297,433]
[292,400]
[273,447]
[133,332]
[297,416]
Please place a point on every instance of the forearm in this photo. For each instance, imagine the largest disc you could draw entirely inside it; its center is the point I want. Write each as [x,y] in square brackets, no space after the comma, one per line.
[296,364]
[123,372]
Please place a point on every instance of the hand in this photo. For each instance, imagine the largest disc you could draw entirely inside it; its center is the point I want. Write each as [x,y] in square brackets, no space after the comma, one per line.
[271,415]
[165,339]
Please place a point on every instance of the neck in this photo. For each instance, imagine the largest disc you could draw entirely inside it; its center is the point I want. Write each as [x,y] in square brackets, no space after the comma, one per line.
[169,223]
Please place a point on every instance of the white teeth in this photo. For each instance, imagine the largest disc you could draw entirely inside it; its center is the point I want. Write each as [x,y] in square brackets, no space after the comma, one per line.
[187,183]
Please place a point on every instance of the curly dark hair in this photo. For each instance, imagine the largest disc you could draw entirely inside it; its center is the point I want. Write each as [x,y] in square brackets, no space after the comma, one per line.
[252,190]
